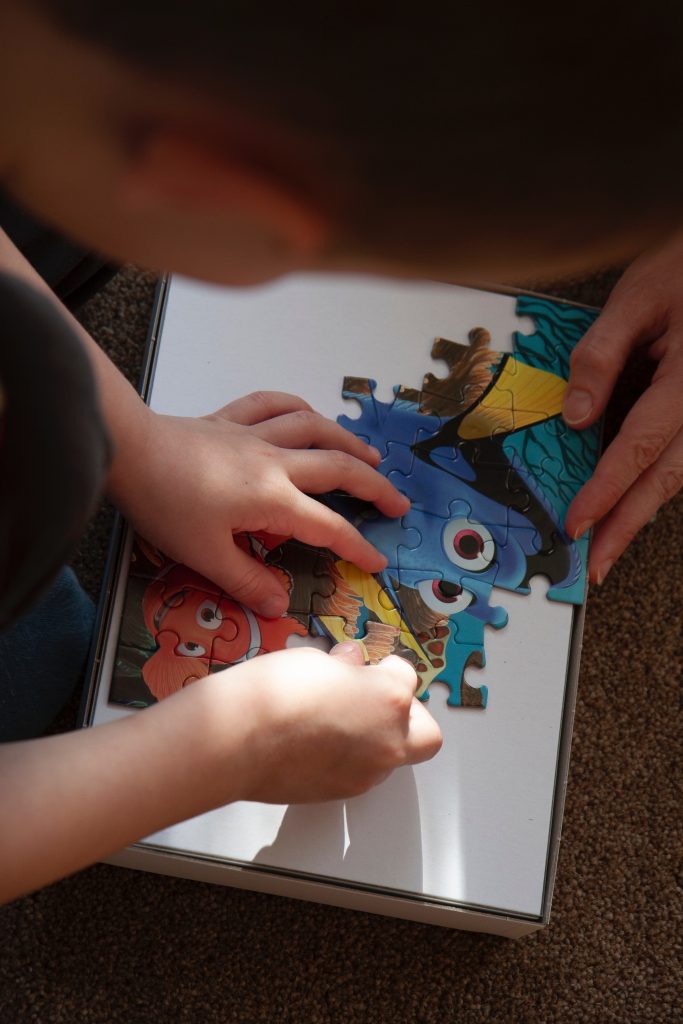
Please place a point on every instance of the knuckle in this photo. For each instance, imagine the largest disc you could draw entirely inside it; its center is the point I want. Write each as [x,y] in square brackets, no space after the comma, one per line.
[646,449]
[260,397]
[263,401]
[342,463]
[307,418]
[668,482]
[249,583]
[401,701]
[611,490]
[436,742]
[592,355]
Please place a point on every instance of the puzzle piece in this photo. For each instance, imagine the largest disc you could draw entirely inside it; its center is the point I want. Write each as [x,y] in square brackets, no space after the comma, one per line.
[145,559]
[309,571]
[128,687]
[133,632]
[489,467]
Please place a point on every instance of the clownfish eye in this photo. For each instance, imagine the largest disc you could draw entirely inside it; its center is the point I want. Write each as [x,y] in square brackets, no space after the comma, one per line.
[468,545]
[190,650]
[444,597]
[208,616]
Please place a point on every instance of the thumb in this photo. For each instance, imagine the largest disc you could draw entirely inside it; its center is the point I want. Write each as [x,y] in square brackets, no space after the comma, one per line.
[350,651]
[251,583]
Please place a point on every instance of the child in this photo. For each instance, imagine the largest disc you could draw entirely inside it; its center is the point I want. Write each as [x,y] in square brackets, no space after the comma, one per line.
[218,142]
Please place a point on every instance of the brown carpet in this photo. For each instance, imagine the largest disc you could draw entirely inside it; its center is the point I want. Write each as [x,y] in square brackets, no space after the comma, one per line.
[115,946]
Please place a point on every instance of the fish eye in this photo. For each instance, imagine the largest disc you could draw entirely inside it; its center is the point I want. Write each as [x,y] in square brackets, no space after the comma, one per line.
[444,597]
[208,616]
[190,650]
[468,545]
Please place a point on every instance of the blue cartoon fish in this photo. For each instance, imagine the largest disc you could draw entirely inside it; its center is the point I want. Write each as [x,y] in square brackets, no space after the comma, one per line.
[468,451]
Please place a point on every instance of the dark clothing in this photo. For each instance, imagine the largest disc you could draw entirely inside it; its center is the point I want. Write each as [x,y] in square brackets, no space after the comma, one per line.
[42,657]
[53,444]
[54,452]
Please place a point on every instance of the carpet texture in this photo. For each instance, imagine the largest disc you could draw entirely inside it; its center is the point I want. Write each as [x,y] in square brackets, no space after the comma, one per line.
[111,945]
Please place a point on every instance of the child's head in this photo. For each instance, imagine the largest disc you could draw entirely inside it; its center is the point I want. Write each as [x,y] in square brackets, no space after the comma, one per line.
[240,140]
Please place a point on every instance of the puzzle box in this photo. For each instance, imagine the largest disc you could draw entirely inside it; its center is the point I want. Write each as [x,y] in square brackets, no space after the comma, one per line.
[469,840]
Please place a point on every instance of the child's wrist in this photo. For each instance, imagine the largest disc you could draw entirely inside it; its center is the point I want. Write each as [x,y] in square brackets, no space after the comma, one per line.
[130,447]
[214,721]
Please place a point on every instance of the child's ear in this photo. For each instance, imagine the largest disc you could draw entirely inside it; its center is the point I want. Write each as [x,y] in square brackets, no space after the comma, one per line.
[183,174]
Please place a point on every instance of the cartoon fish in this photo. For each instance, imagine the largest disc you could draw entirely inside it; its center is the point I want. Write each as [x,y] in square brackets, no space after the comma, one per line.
[199,629]
[478,518]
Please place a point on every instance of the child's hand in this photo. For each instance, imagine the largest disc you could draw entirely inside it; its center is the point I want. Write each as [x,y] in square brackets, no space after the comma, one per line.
[294,726]
[643,467]
[318,726]
[189,484]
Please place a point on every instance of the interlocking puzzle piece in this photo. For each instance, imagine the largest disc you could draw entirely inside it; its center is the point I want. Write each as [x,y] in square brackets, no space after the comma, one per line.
[145,559]
[471,370]
[379,641]
[128,687]
[175,664]
[311,574]
[133,633]
[490,468]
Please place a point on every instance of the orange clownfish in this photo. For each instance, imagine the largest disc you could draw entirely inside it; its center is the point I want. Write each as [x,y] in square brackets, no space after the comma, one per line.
[200,629]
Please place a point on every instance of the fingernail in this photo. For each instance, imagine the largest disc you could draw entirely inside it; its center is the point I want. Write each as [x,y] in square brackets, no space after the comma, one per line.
[602,572]
[580,530]
[349,650]
[273,607]
[375,453]
[578,405]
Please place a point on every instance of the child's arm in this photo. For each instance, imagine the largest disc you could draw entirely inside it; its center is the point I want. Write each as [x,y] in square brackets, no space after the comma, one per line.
[643,467]
[188,484]
[295,726]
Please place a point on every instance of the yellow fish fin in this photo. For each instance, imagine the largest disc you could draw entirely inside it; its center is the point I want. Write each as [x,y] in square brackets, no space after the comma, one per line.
[377,600]
[520,396]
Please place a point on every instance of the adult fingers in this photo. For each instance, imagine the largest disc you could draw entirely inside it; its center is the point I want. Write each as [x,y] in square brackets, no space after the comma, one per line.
[653,489]
[248,581]
[646,432]
[317,472]
[307,429]
[598,359]
[260,406]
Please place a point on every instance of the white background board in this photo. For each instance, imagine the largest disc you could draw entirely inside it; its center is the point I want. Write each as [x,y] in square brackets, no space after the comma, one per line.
[471,826]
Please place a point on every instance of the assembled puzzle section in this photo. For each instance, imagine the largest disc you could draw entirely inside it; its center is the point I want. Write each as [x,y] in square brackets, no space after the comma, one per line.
[490,469]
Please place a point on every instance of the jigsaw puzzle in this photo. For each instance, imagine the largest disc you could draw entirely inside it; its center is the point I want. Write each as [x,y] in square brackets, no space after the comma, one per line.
[490,469]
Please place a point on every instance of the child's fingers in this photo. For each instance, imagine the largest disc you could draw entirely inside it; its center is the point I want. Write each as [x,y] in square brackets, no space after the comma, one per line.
[307,429]
[317,472]
[248,581]
[424,735]
[260,406]
[349,651]
[316,524]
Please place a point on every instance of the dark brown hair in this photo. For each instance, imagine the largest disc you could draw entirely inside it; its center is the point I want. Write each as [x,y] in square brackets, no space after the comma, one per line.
[558,119]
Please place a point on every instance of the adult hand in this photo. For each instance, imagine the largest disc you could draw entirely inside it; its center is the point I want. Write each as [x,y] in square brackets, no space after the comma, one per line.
[643,466]
[189,484]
